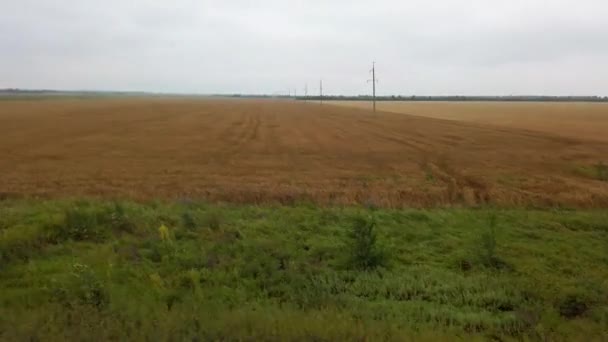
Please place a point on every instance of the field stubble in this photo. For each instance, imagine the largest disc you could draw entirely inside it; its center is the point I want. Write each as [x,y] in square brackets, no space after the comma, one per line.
[262,151]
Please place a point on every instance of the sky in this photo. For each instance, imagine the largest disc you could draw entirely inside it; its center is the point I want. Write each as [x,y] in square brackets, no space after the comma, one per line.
[421,47]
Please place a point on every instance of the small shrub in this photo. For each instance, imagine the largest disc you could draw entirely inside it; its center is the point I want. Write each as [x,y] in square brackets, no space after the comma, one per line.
[363,245]
[79,223]
[188,221]
[83,287]
[171,298]
[119,220]
[487,246]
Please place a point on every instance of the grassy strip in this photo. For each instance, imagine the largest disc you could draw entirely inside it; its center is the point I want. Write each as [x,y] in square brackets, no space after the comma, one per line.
[121,270]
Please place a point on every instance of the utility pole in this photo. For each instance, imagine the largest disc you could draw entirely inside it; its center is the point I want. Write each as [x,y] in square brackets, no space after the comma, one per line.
[305,92]
[373,80]
[321,91]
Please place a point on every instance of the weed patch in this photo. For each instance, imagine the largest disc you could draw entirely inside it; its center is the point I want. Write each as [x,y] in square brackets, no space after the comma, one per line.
[82,222]
[81,270]
[82,287]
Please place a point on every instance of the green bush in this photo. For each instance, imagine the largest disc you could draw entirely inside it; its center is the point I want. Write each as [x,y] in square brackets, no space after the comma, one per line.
[80,224]
[82,287]
[188,221]
[86,222]
[365,252]
[116,217]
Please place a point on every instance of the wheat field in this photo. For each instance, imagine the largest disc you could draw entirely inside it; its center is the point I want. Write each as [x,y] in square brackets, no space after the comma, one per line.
[267,151]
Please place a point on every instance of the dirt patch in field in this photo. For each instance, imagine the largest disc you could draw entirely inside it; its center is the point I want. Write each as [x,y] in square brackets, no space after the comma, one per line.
[260,151]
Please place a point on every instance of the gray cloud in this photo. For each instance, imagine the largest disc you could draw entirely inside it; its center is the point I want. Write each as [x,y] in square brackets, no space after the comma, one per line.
[448,47]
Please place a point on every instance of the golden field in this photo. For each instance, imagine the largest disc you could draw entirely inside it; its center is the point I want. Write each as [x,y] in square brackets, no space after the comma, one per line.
[272,151]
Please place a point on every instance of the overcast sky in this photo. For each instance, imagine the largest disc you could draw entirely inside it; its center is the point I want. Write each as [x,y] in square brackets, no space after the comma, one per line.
[470,47]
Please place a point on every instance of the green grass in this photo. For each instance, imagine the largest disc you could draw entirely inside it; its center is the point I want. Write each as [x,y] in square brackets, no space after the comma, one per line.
[83,270]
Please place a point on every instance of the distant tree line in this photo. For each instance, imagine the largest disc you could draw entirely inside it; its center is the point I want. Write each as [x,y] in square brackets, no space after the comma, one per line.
[45,92]
[461,98]
[513,98]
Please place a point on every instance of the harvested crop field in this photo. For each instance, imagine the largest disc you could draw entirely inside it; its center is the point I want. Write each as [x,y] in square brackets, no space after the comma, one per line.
[264,151]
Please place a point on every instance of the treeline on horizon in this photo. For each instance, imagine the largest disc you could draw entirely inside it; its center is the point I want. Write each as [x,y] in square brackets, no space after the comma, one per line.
[520,98]
[513,98]
[48,92]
